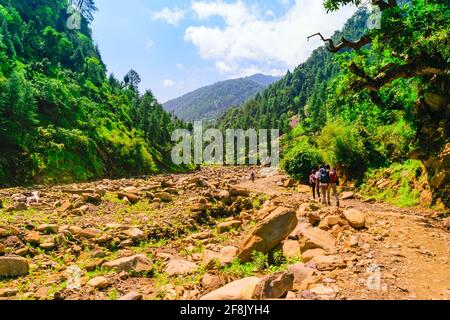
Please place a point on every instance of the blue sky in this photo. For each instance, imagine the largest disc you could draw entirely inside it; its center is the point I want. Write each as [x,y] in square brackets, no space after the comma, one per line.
[179,46]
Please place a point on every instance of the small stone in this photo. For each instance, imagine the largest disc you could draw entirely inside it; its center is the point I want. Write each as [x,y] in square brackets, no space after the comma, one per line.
[323,292]
[180,267]
[316,238]
[137,263]
[227,226]
[66,205]
[328,263]
[33,237]
[291,249]
[164,196]
[75,230]
[48,228]
[348,195]
[211,282]
[90,233]
[5,293]
[132,296]
[41,293]
[13,266]
[93,265]
[301,272]
[98,283]
[308,255]
[356,218]
[274,286]
[238,290]
[137,235]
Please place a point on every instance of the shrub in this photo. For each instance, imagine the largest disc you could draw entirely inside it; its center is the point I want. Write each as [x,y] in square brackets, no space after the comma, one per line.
[300,159]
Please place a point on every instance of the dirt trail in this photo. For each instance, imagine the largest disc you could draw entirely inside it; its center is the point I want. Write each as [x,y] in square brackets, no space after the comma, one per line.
[411,247]
[179,223]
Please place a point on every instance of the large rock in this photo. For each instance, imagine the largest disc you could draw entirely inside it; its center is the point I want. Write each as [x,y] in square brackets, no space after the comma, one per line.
[238,290]
[356,218]
[328,263]
[310,254]
[90,233]
[348,195]
[13,266]
[274,286]
[269,233]
[241,192]
[33,237]
[315,238]
[291,249]
[222,258]
[300,272]
[137,263]
[180,267]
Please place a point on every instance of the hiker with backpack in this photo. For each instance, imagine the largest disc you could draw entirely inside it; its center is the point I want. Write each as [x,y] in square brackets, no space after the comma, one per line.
[332,186]
[324,180]
[313,183]
[318,182]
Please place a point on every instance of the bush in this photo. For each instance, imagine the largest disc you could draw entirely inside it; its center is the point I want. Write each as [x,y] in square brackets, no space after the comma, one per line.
[300,159]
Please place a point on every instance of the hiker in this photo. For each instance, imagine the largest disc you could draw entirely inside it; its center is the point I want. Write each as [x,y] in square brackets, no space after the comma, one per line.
[313,183]
[318,182]
[332,186]
[324,180]
[252,176]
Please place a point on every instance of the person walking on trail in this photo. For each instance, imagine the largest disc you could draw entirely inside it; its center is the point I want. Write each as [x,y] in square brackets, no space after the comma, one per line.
[333,184]
[318,182]
[324,181]
[253,176]
[313,183]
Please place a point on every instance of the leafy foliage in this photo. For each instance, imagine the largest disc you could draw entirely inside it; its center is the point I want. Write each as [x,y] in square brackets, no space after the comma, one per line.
[61,118]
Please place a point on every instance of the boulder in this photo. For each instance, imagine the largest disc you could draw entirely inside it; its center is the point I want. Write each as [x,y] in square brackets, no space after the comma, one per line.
[136,263]
[323,292]
[274,286]
[356,218]
[328,263]
[269,233]
[13,266]
[310,254]
[300,272]
[315,238]
[180,267]
[330,221]
[238,290]
[291,249]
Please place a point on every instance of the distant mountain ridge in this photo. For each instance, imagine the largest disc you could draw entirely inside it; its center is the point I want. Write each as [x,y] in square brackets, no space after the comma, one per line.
[212,101]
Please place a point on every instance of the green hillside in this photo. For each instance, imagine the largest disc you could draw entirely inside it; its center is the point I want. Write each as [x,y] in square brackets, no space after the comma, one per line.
[62,119]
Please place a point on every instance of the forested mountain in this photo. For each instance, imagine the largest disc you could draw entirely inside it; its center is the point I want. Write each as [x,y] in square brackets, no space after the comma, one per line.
[368,99]
[212,101]
[62,118]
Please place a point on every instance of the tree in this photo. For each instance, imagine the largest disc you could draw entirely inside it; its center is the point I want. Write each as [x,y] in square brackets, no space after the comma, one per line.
[132,79]
[412,42]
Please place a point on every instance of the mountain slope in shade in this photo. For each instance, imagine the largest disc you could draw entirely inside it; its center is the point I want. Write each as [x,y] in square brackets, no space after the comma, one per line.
[212,101]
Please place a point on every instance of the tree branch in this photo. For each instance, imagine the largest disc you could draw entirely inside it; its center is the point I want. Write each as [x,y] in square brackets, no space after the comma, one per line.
[391,72]
[344,43]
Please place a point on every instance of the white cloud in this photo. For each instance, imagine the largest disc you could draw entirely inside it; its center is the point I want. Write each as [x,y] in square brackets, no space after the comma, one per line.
[170,16]
[168,83]
[251,40]
[180,66]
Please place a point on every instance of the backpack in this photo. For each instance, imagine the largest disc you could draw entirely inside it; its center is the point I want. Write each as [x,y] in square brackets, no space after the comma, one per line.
[324,176]
[333,176]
